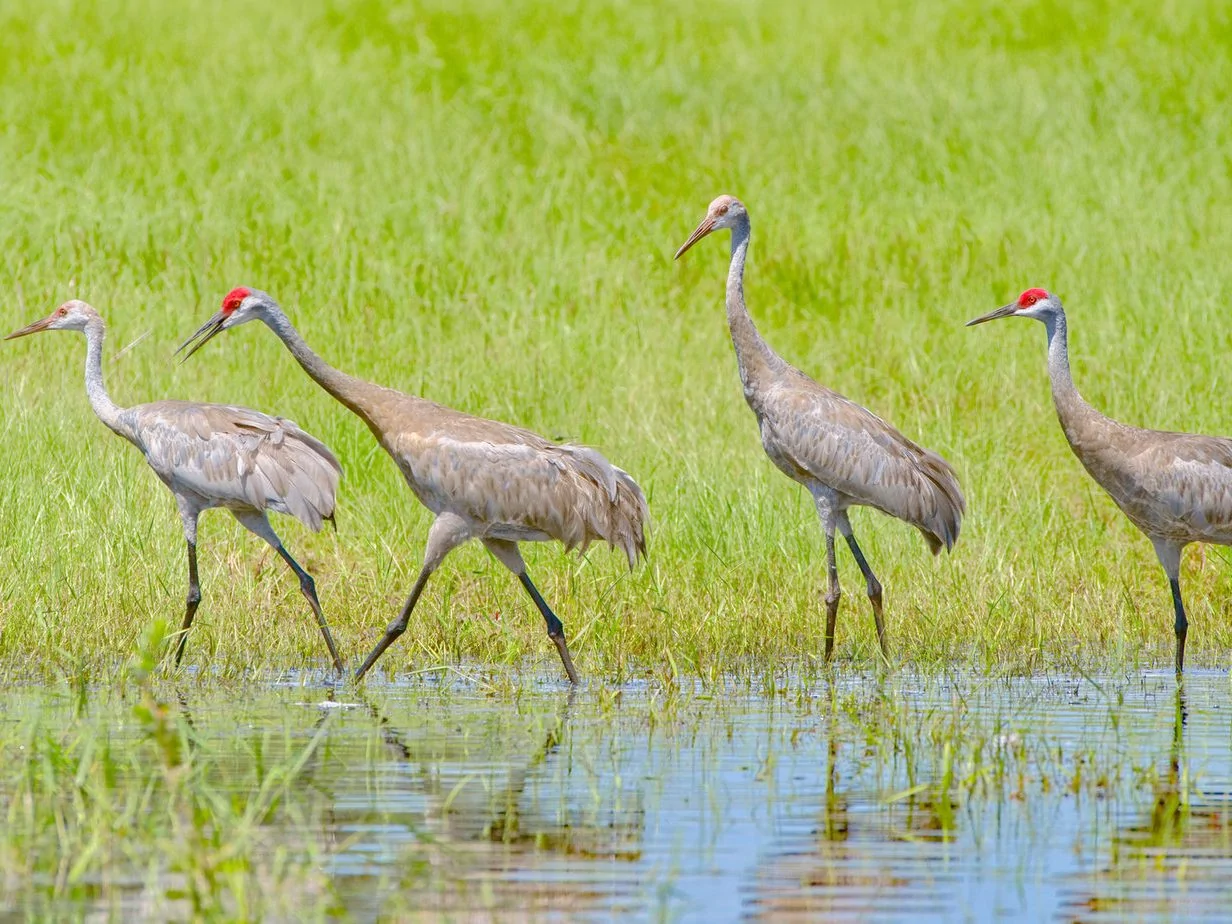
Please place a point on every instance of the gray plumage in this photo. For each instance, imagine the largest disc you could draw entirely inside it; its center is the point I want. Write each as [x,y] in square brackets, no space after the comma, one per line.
[820,438]
[482,479]
[213,455]
[508,483]
[1175,487]
[845,455]
[223,456]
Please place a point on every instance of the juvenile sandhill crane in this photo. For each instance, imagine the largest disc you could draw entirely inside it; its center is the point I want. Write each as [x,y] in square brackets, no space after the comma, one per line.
[1175,487]
[845,455]
[214,455]
[482,479]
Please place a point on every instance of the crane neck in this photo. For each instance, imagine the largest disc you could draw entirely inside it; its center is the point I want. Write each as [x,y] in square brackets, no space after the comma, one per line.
[348,390]
[1058,358]
[1072,410]
[753,354]
[106,410]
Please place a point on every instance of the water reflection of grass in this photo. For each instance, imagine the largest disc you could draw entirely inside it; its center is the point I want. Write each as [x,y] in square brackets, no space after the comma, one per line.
[470,797]
[114,801]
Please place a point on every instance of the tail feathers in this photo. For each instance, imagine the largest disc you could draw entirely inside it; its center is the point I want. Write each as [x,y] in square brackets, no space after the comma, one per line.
[942,527]
[627,519]
[609,506]
[300,479]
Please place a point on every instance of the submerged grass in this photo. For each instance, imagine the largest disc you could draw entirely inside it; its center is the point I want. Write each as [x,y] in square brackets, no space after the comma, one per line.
[445,797]
[478,201]
[127,809]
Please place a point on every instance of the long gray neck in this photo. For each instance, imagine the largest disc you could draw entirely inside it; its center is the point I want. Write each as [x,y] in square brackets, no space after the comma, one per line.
[753,354]
[106,409]
[353,393]
[1072,410]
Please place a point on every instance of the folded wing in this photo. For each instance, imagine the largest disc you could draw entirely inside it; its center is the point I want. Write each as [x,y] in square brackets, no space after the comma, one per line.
[235,456]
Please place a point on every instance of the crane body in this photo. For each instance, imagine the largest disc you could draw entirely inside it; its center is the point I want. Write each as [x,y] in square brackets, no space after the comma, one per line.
[842,453]
[1175,487]
[482,479]
[213,455]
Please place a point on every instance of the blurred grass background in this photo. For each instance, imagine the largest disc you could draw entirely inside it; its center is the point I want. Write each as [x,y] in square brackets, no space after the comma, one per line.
[478,201]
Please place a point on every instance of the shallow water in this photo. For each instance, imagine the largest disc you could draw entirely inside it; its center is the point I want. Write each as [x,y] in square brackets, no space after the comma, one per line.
[1050,799]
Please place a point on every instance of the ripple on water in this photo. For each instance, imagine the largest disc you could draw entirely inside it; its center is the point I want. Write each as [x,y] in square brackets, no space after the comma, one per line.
[913,799]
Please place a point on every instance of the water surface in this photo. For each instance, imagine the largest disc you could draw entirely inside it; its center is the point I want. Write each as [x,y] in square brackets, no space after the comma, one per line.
[927,799]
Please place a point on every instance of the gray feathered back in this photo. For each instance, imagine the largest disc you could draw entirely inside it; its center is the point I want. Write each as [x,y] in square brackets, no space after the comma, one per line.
[233,455]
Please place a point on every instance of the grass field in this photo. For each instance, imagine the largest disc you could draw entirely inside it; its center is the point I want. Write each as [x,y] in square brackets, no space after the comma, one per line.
[478,202]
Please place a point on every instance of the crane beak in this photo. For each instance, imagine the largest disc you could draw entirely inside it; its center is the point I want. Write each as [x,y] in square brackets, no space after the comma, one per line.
[31,328]
[701,231]
[203,335]
[1003,312]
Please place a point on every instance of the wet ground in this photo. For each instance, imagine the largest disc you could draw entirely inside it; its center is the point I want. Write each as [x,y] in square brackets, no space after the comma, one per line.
[860,799]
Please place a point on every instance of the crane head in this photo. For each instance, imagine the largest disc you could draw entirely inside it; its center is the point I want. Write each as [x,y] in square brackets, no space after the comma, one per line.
[1033,303]
[72,315]
[724,212]
[239,305]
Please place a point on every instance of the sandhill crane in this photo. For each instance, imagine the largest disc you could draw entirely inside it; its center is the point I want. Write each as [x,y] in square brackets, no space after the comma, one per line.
[213,455]
[1175,487]
[845,455]
[482,479]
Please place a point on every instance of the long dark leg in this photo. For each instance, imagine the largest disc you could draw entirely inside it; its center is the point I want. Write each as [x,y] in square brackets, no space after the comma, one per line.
[874,590]
[1169,554]
[308,588]
[194,600]
[1182,624]
[506,552]
[448,531]
[834,593]
[398,626]
[556,630]
[256,523]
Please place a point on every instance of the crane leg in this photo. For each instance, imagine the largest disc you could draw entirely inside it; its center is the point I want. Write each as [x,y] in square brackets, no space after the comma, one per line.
[834,594]
[829,519]
[1169,554]
[448,532]
[194,600]
[1182,624]
[556,629]
[874,585]
[188,515]
[507,554]
[398,626]
[308,588]
[257,524]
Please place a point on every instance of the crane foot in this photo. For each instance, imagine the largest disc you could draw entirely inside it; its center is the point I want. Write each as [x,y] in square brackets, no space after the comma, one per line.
[563,648]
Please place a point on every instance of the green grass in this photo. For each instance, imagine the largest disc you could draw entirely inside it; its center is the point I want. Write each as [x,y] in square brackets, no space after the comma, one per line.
[478,202]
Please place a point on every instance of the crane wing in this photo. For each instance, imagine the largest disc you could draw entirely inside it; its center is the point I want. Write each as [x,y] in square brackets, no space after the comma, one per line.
[518,485]
[234,456]
[829,438]
[1174,484]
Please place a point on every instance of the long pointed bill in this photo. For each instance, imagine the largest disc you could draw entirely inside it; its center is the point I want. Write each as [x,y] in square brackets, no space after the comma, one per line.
[31,328]
[1003,312]
[202,336]
[701,231]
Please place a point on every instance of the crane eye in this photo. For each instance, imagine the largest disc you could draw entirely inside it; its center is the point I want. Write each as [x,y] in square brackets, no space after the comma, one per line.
[62,312]
[721,210]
